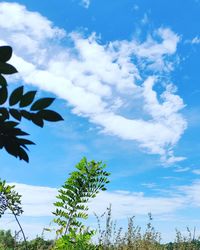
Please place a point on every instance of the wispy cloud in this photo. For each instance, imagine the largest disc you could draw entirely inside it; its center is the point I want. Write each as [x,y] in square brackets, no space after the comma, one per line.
[86,3]
[181,169]
[192,193]
[149,185]
[37,202]
[100,81]
[195,40]
[196,171]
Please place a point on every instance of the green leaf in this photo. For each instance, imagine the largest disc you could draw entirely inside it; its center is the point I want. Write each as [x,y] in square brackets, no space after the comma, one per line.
[7,69]
[3,94]
[74,195]
[16,96]
[5,53]
[50,115]
[16,114]
[42,103]
[27,99]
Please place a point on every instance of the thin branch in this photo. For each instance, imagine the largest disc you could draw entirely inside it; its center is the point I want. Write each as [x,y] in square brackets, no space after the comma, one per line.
[26,246]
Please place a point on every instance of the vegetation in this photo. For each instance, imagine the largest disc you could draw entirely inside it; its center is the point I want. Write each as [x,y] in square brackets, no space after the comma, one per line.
[13,108]
[109,238]
[82,185]
[11,200]
[16,106]
[135,238]
[10,242]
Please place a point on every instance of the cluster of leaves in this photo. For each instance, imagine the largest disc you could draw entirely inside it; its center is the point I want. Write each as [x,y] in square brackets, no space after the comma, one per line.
[18,105]
[80,241]
[83,184]
[9,199]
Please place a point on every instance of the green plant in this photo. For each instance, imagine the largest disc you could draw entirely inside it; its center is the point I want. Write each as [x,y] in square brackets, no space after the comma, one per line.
[36,244]
[11,200]
[82,185]
[7,241]
[112,238]
[76,241]
[14,106]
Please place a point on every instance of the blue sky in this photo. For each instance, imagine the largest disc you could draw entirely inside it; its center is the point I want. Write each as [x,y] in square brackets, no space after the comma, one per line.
[125,74]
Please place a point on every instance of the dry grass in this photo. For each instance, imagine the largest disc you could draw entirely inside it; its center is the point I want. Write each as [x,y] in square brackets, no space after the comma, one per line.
[112,238]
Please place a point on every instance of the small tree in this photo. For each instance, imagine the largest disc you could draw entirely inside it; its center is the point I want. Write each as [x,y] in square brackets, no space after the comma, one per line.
[18,105]
[82,185]
[11,200]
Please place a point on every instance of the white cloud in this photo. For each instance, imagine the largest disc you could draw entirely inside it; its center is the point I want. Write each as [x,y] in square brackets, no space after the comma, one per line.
[99,81]
[126,205]
[196,40]
[149,185]
[86,3]
[196,171]
[37,202]
[145,19]
[32,228]
[181,169]
[192,193]
[136,7]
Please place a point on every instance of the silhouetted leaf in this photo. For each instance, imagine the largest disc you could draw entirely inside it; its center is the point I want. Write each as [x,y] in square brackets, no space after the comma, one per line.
[4,114]
[16,96]
[23,155]
[3,81]
[5,53]
[3,94]
[37,120]
[11,146]
[26,114]
[18,131]
[9,132]
[10,124]
[42,103]
[50,115]
[25,141]
[16,114]
[27,99]
[7,69]
[1,142]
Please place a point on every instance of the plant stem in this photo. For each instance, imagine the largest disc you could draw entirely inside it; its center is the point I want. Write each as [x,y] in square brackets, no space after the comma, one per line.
[21,229]
[68,224]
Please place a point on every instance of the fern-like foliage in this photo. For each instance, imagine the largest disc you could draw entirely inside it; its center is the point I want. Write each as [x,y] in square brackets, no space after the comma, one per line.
[82,185]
